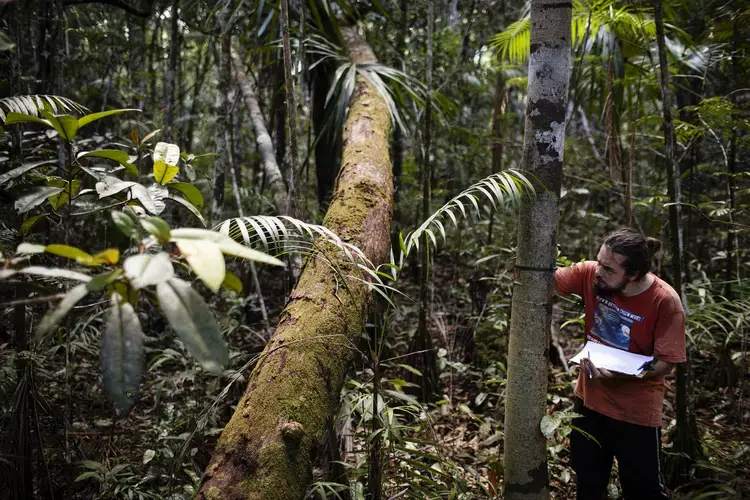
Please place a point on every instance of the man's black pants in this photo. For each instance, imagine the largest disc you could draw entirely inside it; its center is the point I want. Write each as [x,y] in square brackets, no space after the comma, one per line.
[636,448]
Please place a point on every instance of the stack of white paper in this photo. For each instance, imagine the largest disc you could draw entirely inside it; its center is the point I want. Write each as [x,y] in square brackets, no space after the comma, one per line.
[612,359]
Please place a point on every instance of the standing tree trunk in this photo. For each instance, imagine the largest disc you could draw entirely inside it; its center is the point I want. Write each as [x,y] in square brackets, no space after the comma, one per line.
[426,360]
[544,137]
[291,112]
[398,134]
[222,122]
[267,449]
[201,70]
[169,85]
[272,171]
[685,436]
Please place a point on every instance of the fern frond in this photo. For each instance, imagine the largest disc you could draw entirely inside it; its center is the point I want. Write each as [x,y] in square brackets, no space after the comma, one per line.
[34,104]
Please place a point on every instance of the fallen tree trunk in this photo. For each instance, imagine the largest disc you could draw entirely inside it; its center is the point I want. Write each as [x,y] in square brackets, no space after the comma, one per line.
[268,447]
[274,179]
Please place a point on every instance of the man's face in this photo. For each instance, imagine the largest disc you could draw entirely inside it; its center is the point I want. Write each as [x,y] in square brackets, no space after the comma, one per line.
[610,273]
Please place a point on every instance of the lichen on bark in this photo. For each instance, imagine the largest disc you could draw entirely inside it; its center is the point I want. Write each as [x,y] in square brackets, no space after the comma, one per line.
[268,447]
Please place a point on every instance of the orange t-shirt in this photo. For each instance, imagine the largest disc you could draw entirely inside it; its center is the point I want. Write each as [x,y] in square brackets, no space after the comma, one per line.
[651,323]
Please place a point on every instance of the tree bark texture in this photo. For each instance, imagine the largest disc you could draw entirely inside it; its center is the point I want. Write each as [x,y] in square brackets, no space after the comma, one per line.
[267,449]
[222,122]
[525,457]
[271,168]
[685,436]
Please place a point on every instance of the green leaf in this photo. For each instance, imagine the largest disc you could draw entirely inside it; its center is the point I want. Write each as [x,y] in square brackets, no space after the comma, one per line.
[108,256]
[121,354]
[12,174]
[14,118]
[189,206]
[62,198]
[232,282]
[191,233]
[88,475]
[125,223]
[152,198]
[120,157]
[29,223]
[55,316]
[69,252]
[206,260]
[549,424]
[194,322]
[36,197]
[168,153]
[5,43]
[85,120]
[158,227]
[69,126]
[102,281]
[148,269]
[54,121]
[164,172]
[189,191]
[113,185]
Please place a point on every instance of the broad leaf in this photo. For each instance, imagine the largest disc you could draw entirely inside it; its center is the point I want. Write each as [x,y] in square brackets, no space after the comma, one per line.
[29,223]
[149,136]
[164,172]
[231,247]
[125,223]
[112,185]
[158,194]
[54,121]
[109,256]
[30,248]
[55,316]
[14,118]
[64,197]
[85,120]
[121,354]
[35,198]
[232,282]
[156,226]
[120,157]
[189,206]
[102,281]
[12,174]
[194,322]
[206,260]
[48,272]
[189,191]
[148,269]
[168,153]
[69,125]
[125,290]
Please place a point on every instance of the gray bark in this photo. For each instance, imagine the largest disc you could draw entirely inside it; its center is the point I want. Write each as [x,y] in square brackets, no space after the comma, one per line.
[274,179]
[525,457]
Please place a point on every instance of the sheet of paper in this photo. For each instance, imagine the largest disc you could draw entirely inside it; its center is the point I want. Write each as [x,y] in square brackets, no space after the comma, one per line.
[612,359]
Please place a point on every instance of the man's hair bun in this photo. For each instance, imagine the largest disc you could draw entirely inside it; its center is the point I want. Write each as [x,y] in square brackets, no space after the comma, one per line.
[654,246]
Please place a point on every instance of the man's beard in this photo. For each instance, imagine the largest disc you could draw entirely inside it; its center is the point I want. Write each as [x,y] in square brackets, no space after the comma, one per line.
[603,290]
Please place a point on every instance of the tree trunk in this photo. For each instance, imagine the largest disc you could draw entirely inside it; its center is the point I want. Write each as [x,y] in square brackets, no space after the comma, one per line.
[174,52]
[328,149]
[544,137]
[222,122]
[426,360]
[685,436]
[265,147]
[267,449]
[201,70]
[291,112]
[398,135]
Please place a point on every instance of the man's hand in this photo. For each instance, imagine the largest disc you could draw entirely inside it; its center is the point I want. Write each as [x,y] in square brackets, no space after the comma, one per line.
[660,369]
[594,372]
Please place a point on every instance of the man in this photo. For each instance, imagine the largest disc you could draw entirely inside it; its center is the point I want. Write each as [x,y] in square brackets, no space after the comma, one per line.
[628,308]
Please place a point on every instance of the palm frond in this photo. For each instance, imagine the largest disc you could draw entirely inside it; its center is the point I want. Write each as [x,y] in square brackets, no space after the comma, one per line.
[513,44]
[34,104]
[503,189]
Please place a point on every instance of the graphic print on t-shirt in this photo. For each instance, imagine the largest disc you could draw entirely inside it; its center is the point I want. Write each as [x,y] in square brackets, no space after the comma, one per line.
[612,324]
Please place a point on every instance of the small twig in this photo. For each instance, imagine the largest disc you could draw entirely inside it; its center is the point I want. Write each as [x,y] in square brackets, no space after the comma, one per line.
[35,300]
